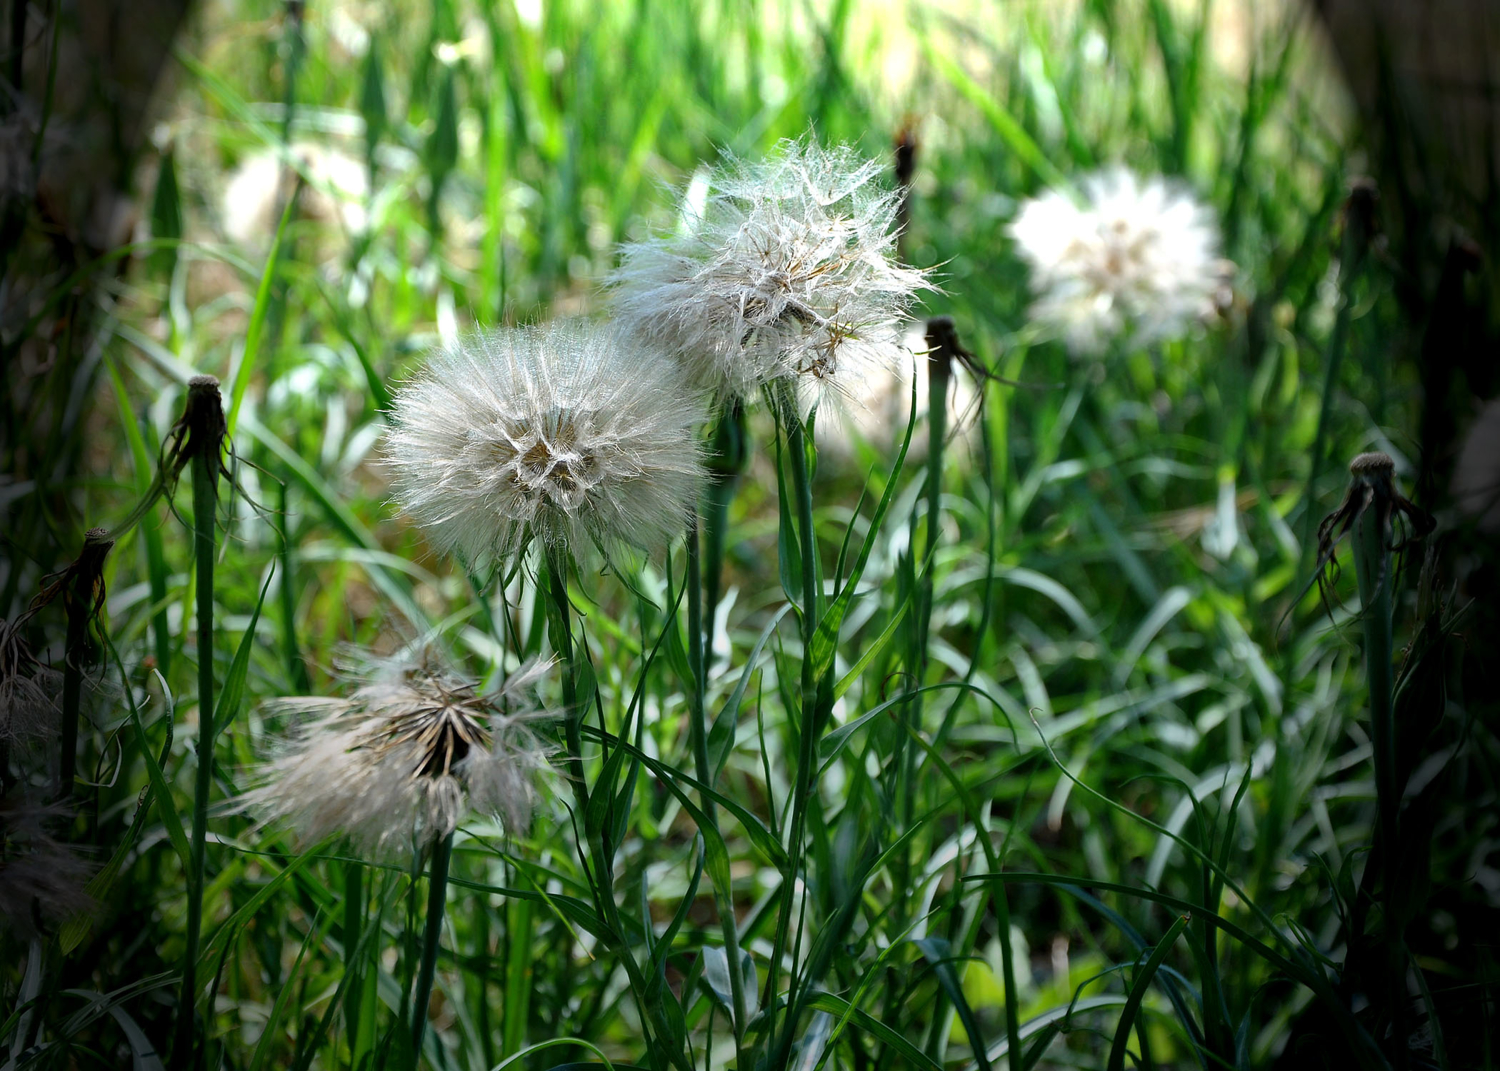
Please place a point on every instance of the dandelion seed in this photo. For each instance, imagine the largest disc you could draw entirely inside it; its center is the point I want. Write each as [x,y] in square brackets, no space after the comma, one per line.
[1138,261]
[42,880]
[400,760]
[565,433]
[788,271]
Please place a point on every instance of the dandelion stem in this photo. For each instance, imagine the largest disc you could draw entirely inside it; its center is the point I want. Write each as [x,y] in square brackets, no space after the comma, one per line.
[432,937]
[939,370]
[592,853]
[562,642]
[82,591]
[729,449]
[72,692]
[204,417]
[797,448]
[296,669]
[354,924]
[1372,570]
[724,898]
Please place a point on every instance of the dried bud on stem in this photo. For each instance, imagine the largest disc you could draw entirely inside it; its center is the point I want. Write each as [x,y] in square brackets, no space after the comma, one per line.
[1372,486]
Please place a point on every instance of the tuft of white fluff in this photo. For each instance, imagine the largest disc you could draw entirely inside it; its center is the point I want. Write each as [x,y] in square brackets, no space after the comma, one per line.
[1136,260]
[405,755]
[785,269]
[567,433]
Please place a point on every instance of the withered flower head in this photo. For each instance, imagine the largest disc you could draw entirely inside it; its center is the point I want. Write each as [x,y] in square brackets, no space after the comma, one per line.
[400,759]
[1372,486]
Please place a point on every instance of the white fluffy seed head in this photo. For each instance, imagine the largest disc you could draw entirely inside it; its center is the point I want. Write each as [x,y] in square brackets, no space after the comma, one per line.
[400,760]
[567,433]
[788,271]
[1136,261]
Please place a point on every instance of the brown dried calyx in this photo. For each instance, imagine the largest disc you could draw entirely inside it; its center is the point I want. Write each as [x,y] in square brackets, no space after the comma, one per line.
[1372,486]
[200,431]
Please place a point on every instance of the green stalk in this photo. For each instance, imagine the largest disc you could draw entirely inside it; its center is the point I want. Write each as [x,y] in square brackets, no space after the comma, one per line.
[724,898]
[1372,570]
[296,669]
[939,370]
[204,420]
[807,742]
[518,978]
[729,454]
[562,642]
[354,919]
[593,853]
[1373,478]
[432,938]
[76,604]
[941,342]
[83,593]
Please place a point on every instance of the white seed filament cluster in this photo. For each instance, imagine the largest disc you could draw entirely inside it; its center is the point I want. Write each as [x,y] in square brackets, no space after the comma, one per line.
[404,756]
[788,271]
[565,433]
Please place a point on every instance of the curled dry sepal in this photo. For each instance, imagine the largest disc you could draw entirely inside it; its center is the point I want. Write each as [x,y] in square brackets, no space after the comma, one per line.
[1121,259]
[1372,486]
[566,433]
[785,269]
[200,431]
[400,759]
[43,881]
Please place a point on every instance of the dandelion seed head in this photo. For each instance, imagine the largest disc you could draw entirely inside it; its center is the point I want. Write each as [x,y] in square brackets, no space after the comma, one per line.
[1135,260]
[787,271]
[411,749]
[567,433]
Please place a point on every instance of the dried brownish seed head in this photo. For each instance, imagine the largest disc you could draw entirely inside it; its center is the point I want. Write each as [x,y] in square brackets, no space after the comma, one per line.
[1373,464]
[1372,486]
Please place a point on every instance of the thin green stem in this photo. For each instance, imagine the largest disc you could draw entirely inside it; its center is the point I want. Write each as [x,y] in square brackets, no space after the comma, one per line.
[296,669]
[432,937]
[718,494]
[593,854]
[807,728]
[354,919]
[562,642]
[1372,571]
[205,466]
[724,898]
[72,697]
[1372,567]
